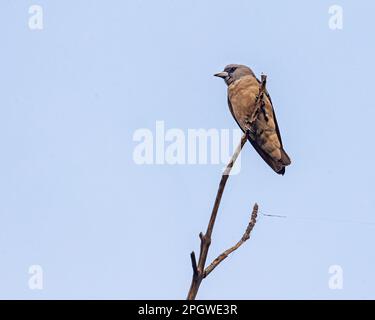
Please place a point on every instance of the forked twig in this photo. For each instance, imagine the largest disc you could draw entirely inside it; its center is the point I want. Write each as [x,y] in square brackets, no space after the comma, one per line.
[226,253]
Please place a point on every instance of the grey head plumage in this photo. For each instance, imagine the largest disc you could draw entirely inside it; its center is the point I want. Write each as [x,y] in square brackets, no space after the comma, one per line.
[233,72]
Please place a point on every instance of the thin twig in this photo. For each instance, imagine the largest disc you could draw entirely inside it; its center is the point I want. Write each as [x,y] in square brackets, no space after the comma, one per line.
[259,102]
[199,272]
[244,238]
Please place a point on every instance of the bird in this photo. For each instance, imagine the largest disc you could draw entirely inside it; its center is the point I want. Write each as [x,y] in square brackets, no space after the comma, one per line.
[260,126]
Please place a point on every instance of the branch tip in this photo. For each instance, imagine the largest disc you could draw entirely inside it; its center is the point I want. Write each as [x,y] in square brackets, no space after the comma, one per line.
[194,263]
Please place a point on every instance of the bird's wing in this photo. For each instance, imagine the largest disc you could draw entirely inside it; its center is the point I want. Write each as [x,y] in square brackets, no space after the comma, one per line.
[274,118]
[284,156]
[274,114]
[265,138]
[265,156]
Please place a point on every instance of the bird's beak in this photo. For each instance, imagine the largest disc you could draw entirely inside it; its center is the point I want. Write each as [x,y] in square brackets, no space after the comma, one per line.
[222,74]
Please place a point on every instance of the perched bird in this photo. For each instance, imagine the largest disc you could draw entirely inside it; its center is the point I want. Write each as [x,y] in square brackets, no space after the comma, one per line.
[260,125]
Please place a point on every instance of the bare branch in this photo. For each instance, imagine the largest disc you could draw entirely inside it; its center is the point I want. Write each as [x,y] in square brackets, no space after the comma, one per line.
[206,238]
[227,252]
[259,103]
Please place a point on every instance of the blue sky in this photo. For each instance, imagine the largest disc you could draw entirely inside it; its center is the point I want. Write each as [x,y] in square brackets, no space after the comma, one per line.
[74,202]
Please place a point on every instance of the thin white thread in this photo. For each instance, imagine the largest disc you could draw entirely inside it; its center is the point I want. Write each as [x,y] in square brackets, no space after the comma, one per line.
[318,219]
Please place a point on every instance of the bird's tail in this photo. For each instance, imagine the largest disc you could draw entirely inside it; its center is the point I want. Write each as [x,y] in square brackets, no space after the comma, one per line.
[285,160]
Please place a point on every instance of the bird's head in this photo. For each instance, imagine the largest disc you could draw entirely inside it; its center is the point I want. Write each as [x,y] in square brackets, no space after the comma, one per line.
[233,72]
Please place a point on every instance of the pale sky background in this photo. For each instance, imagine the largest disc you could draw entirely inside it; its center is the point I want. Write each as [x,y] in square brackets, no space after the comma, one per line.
[73,201]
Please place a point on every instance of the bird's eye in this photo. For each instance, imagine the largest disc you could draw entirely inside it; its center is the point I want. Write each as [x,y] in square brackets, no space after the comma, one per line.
[232,70]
